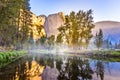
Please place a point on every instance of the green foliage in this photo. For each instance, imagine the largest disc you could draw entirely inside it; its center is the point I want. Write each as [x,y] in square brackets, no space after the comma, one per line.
[7,57]
[77,29]
[99,39]
[51,40]
[15,19]
[43,40]
[8,15]
[59,39]
[31,40]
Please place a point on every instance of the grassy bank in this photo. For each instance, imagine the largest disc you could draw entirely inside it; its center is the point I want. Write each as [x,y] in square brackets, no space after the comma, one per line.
[108,55]
[8,57]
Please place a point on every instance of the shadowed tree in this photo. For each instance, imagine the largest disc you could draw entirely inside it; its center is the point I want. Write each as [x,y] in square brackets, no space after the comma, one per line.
[99,39]
[12,22]
[100,69]
[59,39]
[51,41]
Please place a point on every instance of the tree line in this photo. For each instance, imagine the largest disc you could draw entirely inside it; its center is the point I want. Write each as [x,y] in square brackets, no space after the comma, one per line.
[76,31]
[16,23]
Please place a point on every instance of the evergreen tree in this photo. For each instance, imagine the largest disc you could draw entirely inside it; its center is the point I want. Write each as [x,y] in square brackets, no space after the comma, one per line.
[59,39]
[99,39]
[25,22]
[31,40]
[116,46]
[43,40]
[51,41]
[8,18]
[13,26]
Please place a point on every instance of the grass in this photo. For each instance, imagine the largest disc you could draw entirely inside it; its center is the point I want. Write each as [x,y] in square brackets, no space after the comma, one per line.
[10,56]
[107,55]
[111,52]
[114,52]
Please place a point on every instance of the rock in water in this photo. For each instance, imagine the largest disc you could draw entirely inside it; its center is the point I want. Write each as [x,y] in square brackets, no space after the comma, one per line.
[53,22]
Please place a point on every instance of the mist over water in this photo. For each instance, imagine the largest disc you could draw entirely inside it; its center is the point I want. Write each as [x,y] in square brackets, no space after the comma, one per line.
[49,50]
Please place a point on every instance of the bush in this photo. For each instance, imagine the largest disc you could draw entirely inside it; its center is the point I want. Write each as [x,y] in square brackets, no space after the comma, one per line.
[7,57]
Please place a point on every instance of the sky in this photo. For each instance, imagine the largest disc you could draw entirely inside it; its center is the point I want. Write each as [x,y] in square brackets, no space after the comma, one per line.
[102,9]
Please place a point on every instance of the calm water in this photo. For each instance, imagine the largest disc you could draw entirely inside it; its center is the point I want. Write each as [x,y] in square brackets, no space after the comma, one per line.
[54,67]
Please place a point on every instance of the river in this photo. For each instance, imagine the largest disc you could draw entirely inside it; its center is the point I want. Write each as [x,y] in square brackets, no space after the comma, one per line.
[60,67]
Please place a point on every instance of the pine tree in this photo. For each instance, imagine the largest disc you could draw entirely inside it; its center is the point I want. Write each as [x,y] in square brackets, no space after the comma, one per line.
[51,41]
[31,40]
[13,27]
[8,20]
[59,39]
[99,39]
[25,22]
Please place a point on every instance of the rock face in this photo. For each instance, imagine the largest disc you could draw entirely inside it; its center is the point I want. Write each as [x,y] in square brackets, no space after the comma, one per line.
[111,29]
[37,22]
[53,22]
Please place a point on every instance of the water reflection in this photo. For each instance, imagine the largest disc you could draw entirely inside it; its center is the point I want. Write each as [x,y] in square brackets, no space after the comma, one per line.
[75,68]
[51,67]
[100,70]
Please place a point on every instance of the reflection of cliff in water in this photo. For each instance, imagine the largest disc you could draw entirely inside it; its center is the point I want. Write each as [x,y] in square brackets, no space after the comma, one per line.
[22,70]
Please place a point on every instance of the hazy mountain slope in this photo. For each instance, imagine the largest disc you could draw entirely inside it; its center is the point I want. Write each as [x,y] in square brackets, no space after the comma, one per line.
[111,29]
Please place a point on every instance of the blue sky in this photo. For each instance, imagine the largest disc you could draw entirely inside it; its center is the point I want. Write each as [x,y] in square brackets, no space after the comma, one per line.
[102,9]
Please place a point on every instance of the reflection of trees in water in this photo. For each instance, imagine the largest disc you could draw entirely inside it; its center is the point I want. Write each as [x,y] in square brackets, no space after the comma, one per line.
[85,69]
[29,72]
[23,70]
[70,68]
[74,68]
[100,69]
[11,72]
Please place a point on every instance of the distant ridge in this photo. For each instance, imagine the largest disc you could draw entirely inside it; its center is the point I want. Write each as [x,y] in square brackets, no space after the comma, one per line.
[111,29]
[107,21]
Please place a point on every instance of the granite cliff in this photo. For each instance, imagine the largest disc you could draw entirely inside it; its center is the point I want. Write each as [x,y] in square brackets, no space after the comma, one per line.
[111,29]
[37,22]
[53,22]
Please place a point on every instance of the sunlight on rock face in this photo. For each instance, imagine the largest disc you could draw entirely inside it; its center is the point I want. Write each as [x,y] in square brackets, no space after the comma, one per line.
[33,73]
[37,23]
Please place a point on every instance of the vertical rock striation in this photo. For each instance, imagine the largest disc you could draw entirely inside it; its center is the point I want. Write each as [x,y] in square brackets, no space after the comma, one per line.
[38,22]
[53,22]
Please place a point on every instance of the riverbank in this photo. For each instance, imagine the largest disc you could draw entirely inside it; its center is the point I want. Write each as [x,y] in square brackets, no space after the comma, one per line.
[90,53]
[107,55]
[10,56]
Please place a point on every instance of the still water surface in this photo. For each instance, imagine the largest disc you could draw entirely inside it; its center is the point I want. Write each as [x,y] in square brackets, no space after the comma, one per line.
[54,67]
